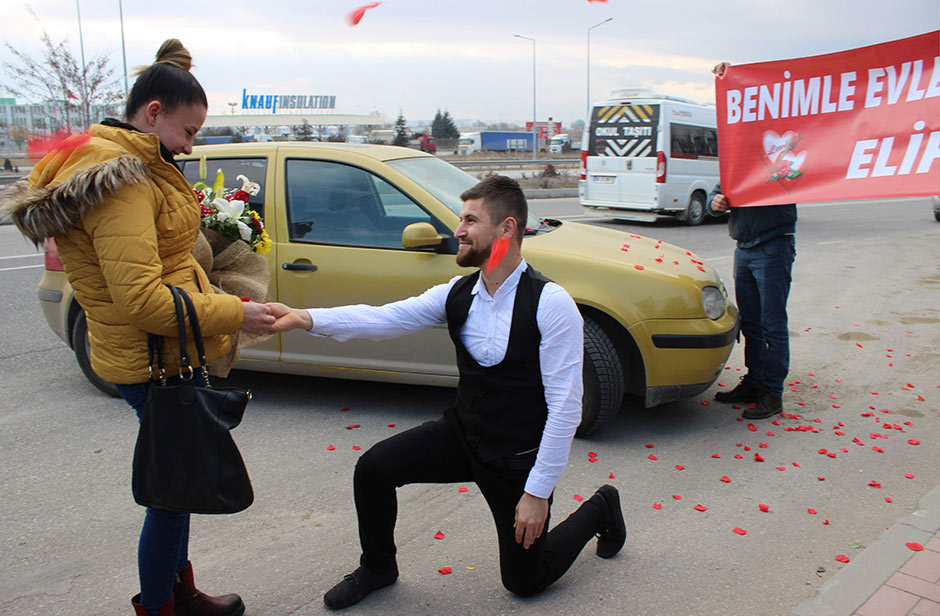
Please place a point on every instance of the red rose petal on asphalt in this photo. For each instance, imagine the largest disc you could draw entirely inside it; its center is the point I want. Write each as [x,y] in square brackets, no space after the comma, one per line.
[752,427]
[763,508]
[796,464]
[874,484]
[878,449]
[758,457]
[909,476]
[763,445]
[914,546]
[591,454]
[445,570]
[740,531]
[781,468]
[821,478]
[612,476]
[825,522]
[638,266]
[705,402]
[725,479]
[651,457]
[657,506]
[330,448]
[738,456]
[679,467]
[701,508]
[356,447]
[914,441]
[859,345]
[746,448]
[677,497]
[463,489]
[811,511]
[715,455]
[842,558]
[887,499]
[649,446]
[391,425]
[920,398]
[578,497]
[438,535]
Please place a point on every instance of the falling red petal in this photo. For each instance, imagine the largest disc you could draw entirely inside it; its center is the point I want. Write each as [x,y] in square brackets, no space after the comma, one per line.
[61,142]
[356,16]
[497,253]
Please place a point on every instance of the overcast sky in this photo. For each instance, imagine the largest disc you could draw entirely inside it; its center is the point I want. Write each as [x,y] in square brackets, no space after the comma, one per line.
[422,55]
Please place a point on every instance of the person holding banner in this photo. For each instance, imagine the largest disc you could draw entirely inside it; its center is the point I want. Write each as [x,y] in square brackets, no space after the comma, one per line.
[763,262]
[519,354]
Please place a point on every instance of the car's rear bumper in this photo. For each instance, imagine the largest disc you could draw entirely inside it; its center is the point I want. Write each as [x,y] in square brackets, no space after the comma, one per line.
[54,302]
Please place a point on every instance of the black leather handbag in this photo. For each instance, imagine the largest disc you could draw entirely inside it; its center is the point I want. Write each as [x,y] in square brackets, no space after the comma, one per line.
[185,458]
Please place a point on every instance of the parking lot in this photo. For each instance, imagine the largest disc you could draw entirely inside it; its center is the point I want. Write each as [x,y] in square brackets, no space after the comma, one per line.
[864,316]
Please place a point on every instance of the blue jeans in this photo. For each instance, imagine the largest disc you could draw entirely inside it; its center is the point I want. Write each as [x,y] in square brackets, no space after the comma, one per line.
[761,286]
[163,549]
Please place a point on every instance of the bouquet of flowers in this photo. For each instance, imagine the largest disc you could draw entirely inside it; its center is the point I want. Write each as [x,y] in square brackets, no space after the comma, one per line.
[230,250]
[226,211]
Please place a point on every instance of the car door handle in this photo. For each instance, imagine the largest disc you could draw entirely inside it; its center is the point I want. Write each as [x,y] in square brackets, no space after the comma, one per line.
[299,266]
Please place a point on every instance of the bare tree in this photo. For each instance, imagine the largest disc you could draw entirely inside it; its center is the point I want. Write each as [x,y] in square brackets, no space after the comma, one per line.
[57,76]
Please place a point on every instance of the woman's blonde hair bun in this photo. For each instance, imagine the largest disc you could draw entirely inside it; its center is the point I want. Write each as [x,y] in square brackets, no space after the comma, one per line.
[173,53]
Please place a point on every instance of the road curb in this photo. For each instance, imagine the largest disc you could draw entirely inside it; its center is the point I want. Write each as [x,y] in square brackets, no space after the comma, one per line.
[550,193]
[855,583]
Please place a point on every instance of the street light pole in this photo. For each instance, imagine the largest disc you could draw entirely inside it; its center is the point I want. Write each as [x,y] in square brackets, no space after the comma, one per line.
[535,130]
[81,45]
[589,65]
[123,49]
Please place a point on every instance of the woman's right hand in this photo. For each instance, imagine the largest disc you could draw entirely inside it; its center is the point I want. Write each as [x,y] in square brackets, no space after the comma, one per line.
[258,319]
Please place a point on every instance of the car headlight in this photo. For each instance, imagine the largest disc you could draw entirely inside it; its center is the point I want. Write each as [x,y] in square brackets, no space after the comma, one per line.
[713,301]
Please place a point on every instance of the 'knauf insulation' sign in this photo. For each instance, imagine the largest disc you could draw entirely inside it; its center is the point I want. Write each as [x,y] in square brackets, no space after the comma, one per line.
[287,101]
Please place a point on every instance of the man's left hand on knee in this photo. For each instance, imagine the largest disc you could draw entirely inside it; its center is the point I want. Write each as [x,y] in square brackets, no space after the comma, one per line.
[531,513]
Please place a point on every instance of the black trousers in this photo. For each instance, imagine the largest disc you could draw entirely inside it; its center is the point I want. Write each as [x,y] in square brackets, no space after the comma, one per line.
[437,452]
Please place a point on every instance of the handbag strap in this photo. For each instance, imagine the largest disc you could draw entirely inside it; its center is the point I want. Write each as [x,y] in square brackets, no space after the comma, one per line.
[197,332]
[155,342]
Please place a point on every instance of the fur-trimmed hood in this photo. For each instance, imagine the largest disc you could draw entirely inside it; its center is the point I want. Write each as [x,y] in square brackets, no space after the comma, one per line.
[76,177]
[45,211]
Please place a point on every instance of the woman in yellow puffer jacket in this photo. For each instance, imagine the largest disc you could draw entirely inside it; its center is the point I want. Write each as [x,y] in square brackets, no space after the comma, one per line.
[124,220]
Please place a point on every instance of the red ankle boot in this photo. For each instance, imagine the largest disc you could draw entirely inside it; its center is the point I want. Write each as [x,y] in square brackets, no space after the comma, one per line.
[191,601]
[165,610]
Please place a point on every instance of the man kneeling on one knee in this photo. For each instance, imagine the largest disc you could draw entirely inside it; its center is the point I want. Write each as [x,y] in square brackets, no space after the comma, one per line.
[519,342]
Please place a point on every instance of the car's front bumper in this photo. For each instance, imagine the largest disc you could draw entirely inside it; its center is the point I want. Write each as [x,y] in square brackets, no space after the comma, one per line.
[689,354]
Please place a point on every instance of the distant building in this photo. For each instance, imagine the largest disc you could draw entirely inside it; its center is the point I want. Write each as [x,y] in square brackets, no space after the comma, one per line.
[18,122]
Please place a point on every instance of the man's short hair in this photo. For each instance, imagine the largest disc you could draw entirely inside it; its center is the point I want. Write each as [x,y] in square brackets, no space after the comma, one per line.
[503,198]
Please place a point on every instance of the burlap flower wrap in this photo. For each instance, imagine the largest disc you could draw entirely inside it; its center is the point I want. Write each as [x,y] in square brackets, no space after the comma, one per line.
[234,269]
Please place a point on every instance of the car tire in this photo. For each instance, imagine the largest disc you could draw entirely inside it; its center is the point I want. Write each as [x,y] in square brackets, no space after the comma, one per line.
[695,213]
[603,379]
[82,351]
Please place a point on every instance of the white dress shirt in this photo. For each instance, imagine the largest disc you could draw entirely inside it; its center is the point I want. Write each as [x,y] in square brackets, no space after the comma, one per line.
[486,336]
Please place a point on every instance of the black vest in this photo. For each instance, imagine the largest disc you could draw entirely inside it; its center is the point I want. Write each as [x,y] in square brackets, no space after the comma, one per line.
[501,409]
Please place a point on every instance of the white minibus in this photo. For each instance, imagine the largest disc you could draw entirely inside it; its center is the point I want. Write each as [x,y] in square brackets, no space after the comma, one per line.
[646,154]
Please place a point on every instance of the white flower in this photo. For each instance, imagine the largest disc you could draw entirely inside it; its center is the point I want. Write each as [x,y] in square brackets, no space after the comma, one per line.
[245,231]
[248,186]
[228,209]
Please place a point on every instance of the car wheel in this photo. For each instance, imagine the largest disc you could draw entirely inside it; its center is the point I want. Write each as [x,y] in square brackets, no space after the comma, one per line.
[695,213]
[603,379]
[82,350]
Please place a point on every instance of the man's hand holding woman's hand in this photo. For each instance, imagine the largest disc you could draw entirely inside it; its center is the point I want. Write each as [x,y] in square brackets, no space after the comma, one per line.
[258,319]
[288,318]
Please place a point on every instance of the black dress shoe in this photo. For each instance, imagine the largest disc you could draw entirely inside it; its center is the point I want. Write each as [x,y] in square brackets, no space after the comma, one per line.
[767,406]
[612,531]
[356,586]
[744,392]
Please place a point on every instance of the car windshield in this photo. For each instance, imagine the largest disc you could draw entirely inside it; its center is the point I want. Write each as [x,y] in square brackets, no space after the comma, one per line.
[446,183]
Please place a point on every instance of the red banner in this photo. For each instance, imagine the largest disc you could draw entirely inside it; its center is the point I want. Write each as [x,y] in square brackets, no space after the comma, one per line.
[857,124]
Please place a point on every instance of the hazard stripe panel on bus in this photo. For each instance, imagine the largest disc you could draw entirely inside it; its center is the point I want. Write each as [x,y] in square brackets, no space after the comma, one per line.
[626,113]
[628,147]
[624,131]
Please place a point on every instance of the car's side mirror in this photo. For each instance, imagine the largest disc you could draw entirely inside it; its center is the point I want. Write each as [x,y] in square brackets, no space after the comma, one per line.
[420,235]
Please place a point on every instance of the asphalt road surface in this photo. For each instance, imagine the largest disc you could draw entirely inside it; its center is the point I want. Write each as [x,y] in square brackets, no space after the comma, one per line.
[864,316]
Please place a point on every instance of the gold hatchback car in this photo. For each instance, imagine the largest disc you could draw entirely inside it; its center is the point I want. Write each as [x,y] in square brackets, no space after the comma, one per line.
[373,224]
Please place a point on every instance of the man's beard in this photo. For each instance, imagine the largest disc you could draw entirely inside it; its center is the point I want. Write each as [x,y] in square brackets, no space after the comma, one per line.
[474,256]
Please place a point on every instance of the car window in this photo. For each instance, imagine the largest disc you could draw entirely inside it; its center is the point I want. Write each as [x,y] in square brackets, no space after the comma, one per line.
[693,141]
[334,203]
[255,169]
[443,180]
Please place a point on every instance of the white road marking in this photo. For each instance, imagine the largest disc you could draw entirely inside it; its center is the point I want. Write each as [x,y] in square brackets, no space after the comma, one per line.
[10,269]
[832,242]
[39,254]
